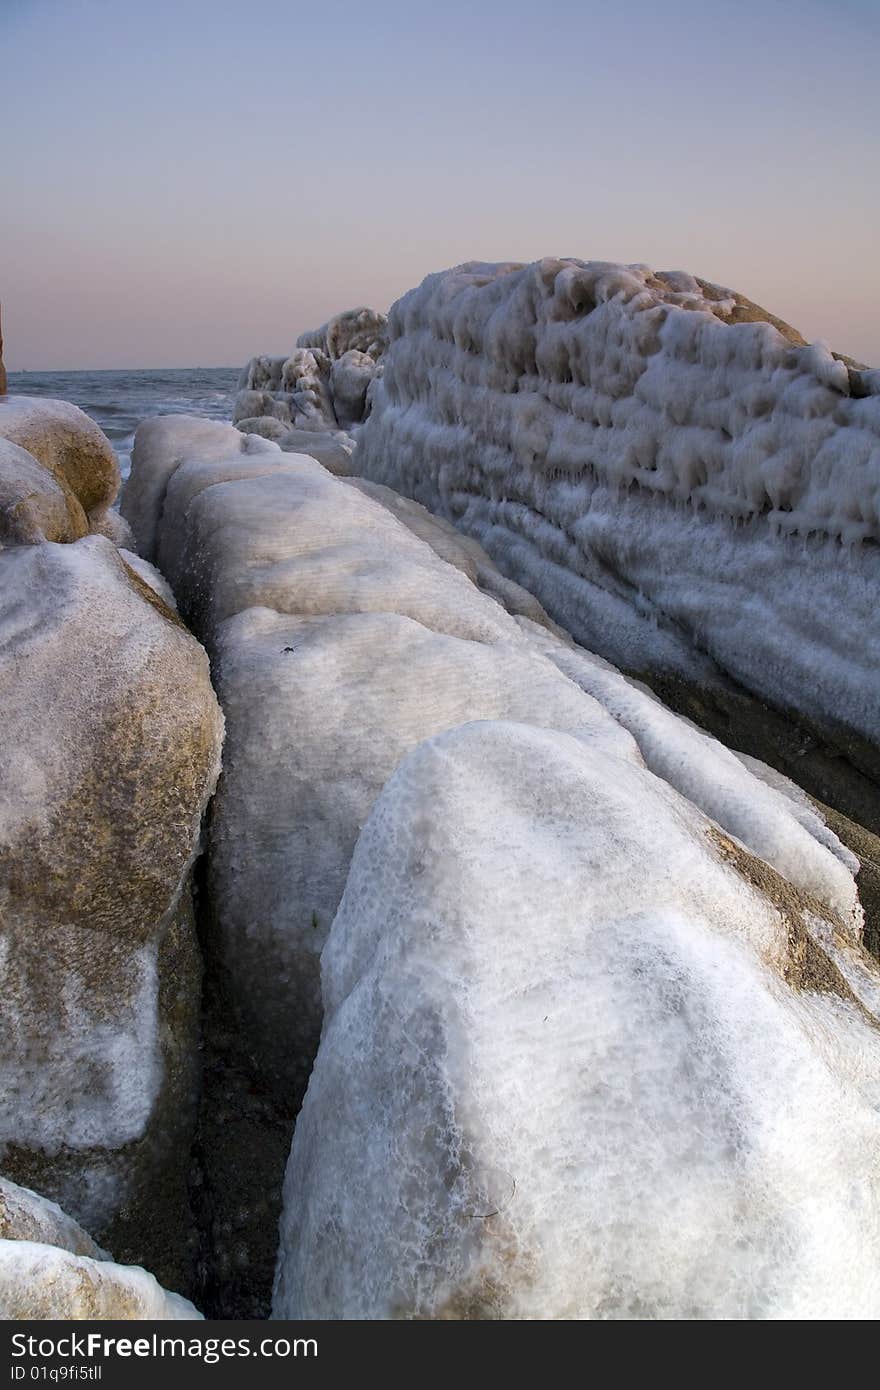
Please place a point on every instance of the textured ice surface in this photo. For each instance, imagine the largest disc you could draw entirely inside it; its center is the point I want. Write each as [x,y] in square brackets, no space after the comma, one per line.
[41,1281]
[354,330]
[679,485]
[324,385]
[578,1061]
[345,626]
[161,446]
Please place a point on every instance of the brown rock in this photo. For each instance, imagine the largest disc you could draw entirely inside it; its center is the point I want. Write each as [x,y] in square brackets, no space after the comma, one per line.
[66,442]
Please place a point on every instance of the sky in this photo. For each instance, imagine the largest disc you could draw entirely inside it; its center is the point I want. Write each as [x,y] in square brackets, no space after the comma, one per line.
[190,182]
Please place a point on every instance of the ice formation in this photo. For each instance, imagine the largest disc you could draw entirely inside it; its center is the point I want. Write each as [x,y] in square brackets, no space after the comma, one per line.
[322,388]
[354,330]
[582,1058]
[685,484]
[110,751]
[345,627]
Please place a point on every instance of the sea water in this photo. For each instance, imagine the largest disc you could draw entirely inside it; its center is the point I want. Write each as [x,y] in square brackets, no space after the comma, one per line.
[119,400]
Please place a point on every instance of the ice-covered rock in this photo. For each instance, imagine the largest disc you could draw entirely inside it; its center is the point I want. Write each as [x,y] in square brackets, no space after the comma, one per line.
[70,446]
[354,330]
[51,1268]
[333,448]
[35,505]
[161,446]
[43,1282]
[583,1057]
[686,485]
[323,386]
[350,378]
[340,639]
[110,750]
[345,626]
[151,577]
[25,1215]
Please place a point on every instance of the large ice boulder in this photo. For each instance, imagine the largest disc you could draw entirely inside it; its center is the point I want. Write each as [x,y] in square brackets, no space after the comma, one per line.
[110,751]
[360,330]
[161,446]
[684,483]
[583,1057]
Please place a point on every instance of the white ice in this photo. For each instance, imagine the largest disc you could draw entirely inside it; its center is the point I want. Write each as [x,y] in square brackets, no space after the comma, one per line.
[567,1068]
[682,489]
[345,626]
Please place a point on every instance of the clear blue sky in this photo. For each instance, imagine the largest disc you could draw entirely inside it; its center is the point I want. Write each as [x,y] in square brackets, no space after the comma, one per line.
[187,182]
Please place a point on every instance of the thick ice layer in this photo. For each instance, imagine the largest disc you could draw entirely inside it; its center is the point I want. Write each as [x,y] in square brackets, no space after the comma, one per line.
[323,385]
[345,626]
[333,448]
[43,1282]
[670,470]
[354,330]
[161,446]
[581,1059]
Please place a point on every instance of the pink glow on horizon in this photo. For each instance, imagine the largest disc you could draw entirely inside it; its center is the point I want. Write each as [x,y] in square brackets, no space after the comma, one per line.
[192,183]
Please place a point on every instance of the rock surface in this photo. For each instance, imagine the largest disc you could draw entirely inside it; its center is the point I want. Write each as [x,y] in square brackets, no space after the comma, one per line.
[35,505]
[110,752]
[51,1268]
[43,1282]
[70,446]
[583,1057]
[25,1215]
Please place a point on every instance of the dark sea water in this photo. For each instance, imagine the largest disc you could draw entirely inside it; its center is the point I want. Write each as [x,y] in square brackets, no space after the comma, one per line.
[118,401]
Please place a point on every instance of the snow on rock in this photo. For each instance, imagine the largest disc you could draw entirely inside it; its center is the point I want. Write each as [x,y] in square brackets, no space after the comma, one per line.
[685,484]
[324,385]
[43,1282]
[749,806]
[583,1057]
[345,626]
[70,446]
[110,751]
